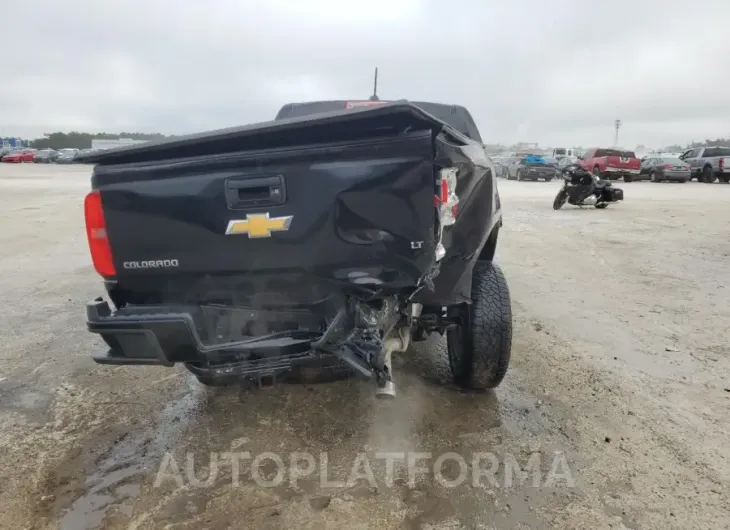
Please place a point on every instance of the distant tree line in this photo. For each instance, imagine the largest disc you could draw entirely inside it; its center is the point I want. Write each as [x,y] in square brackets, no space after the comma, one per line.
[79,140]
[692,145]
[706,143]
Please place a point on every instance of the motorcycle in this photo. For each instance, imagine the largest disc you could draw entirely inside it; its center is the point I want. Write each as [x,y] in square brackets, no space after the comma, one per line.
[581,188]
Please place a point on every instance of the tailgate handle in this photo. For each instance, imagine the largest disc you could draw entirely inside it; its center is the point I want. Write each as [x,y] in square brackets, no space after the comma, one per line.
[248,192]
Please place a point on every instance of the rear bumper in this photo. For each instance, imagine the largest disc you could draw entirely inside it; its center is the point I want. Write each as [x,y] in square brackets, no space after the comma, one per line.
[540,173]
[163,336]
[619,172]
[676,175]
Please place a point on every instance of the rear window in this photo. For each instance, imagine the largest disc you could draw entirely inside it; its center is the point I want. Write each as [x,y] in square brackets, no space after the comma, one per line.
[614,152]
[456,116]
[560,151]
[716,151]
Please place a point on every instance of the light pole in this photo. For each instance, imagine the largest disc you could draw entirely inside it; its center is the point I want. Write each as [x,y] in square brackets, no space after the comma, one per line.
[617,125]
[374,97]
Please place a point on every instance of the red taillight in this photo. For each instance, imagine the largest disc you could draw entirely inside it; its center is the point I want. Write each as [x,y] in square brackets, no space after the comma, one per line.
[668,166]
[101,252]
[444,198]
[721,163]
[447,201]
[447,204]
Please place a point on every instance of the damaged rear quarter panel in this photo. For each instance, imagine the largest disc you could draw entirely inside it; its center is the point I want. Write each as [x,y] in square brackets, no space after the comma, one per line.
[479,214]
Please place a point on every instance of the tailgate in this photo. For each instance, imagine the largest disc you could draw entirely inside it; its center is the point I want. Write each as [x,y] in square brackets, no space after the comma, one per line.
[618,162]
[335,210]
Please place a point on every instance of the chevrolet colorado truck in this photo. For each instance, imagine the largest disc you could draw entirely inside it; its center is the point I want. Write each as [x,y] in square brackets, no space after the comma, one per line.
[332,236]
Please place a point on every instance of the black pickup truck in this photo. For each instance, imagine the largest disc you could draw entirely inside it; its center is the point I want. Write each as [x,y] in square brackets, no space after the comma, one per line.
[332,236]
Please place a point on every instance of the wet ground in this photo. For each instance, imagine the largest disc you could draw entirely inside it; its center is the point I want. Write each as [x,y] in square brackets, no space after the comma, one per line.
[614,413]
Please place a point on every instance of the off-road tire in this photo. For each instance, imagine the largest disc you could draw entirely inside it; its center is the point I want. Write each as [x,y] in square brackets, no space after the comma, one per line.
[708,175]
[479,348]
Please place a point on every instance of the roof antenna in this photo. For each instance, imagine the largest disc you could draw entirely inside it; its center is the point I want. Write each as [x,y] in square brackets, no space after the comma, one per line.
[374,97]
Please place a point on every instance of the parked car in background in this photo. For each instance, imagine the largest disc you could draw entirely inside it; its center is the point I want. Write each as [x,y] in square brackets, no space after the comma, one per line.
[531,167]
[505,163]
[660,154]
[499,165]
[564,162]
[85,152]
[46,156]
[708,164]
[66,156]
[19,156]
[665,168]
[612,164]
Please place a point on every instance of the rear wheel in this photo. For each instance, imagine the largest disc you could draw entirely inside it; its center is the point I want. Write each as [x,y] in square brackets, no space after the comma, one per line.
[519,175]
[708,175]
[653,176]
[479,348]
[724,178]
[628,178]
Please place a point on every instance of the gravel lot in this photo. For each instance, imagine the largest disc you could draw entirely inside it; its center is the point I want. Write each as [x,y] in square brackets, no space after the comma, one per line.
[619,374]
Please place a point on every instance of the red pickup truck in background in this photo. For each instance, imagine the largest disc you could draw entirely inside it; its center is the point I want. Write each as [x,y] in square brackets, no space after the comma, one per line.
[612,164]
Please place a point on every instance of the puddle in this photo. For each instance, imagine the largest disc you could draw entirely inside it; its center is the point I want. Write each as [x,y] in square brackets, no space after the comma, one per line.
[119,472]
[34,404]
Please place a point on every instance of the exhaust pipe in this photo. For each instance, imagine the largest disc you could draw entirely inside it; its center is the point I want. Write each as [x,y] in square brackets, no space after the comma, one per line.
[386,388]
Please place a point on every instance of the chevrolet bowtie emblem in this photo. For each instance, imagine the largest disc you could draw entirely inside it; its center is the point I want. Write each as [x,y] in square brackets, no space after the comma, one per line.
[258,225]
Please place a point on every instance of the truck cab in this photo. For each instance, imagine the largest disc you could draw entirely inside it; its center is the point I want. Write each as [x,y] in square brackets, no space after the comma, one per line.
[565,152]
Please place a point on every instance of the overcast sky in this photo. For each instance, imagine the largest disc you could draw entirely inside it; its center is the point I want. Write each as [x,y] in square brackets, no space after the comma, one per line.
[557,72]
